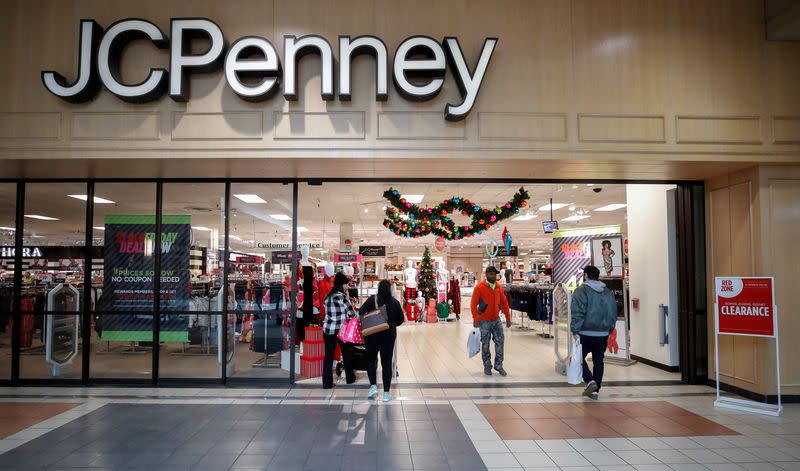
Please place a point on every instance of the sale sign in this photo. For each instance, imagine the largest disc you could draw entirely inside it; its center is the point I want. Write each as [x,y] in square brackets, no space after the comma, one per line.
[746,306]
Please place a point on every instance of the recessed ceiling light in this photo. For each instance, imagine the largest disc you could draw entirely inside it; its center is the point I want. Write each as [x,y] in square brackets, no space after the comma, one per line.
[280,217]
[576,217]
[366,210]
[555,206]
[99,228]
[525,217]
[612,207]
[96,199]
[414,199]
[40,217]
[202,228]
[249,198]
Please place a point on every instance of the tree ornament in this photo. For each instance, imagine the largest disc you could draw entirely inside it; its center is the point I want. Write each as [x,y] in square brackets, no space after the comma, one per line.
[524,204]
[508,205]
[493,218]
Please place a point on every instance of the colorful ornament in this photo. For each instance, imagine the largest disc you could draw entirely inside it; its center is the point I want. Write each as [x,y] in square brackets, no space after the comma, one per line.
[493,218]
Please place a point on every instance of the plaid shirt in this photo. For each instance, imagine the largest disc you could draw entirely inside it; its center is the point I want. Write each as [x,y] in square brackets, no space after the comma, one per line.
[337,310]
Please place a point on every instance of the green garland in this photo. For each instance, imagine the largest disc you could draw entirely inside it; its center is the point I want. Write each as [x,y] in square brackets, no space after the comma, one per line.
[409,220]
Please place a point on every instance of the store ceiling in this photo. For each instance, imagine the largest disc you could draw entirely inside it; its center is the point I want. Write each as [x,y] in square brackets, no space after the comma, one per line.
[321,210]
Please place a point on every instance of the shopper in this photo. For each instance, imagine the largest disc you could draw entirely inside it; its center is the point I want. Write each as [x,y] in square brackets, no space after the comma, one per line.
[382,342]
[594,315]
[488,299]
[337,310]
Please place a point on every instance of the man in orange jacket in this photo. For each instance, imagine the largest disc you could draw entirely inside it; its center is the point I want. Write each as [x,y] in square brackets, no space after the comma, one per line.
[488,299]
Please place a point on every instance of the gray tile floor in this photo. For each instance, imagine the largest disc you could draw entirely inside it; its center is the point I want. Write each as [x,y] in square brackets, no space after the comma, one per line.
[181,437]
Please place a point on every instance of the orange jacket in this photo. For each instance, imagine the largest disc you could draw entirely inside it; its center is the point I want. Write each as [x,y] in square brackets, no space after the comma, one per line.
[495,300]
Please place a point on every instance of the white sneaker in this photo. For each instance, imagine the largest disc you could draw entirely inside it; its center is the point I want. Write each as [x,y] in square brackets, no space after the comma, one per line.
[373,390]
[387,397]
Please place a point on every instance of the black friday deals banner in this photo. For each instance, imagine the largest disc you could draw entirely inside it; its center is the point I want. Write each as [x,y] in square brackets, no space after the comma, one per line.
[129,266]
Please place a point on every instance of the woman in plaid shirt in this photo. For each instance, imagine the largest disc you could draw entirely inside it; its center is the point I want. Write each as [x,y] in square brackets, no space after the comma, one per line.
[337,310]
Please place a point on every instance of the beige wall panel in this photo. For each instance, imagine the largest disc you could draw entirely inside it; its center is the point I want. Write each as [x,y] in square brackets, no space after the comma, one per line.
[746,362]
[741,231]
[30,126]
[786,129]
[610,128]
[784,227]
[718,130]
[523,126]
[339,125]
[116,126]
[418,125]
[223,126]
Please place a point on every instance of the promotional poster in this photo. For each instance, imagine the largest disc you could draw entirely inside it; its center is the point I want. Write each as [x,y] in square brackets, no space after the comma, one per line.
[126,304]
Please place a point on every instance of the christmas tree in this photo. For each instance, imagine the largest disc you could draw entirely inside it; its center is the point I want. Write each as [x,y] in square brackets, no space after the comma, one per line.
[427,276]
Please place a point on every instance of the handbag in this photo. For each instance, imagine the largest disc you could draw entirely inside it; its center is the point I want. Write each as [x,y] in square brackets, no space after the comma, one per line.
[351,332]
[375,321]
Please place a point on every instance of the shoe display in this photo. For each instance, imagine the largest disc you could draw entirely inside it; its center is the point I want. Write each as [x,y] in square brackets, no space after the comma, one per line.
[373,390]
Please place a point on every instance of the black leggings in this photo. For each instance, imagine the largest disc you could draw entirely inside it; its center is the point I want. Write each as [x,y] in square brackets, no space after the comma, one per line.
[382,342]
[327,367]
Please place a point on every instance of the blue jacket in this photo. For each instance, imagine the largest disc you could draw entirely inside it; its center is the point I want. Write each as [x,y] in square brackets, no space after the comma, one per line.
[594,309]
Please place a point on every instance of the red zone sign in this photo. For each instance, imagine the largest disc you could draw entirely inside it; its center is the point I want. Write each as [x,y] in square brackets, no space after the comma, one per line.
[746,306]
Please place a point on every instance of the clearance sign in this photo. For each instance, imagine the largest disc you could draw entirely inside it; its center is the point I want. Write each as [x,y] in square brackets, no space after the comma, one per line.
[746,306]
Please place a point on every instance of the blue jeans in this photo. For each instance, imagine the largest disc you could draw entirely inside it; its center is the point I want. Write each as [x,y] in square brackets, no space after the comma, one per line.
[492,329]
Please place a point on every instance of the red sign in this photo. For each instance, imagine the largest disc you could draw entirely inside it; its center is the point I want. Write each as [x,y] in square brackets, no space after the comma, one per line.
[746,306]
[347,258]
[440,244]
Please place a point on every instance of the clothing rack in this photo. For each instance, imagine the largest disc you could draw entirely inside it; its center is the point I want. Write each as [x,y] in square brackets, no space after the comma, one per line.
[534,301]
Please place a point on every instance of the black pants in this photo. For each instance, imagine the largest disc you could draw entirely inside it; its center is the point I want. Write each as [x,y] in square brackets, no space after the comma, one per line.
[327,367]
[382,342]
[597,346]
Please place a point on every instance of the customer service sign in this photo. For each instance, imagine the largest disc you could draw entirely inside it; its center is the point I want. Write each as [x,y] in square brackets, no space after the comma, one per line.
[746,306]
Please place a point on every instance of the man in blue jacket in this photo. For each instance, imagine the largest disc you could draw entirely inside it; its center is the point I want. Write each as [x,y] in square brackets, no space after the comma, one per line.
[594,315]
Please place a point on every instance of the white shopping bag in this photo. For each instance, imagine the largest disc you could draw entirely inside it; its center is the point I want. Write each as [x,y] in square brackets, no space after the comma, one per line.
[575,363]
[474,342]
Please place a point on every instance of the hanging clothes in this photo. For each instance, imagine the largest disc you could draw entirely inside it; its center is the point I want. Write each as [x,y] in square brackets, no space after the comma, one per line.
[454,295]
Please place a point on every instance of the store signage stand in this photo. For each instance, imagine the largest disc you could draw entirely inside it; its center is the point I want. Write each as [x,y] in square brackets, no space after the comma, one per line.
[749,292]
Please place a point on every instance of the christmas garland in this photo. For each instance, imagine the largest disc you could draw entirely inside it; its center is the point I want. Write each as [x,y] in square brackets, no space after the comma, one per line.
[409,220]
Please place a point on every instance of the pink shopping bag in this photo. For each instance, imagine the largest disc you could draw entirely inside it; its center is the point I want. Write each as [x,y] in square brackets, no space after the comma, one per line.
[351,331]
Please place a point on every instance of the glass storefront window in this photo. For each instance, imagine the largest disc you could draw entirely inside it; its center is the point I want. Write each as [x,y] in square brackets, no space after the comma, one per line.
[191,296]
[259,267]
[54,252]
[122,283]
[8,198]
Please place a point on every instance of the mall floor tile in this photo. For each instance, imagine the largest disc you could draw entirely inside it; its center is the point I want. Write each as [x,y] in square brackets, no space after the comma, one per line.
[598,420]
[16,417]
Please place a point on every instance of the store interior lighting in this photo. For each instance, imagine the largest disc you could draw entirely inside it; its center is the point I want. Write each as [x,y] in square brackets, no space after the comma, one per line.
[96,199]
[554,206]
[612,207]
[414,199]
[280,217]
[250,198]
[41,218]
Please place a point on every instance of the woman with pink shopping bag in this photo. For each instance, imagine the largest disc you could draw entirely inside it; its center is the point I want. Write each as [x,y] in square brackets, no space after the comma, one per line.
[340,318]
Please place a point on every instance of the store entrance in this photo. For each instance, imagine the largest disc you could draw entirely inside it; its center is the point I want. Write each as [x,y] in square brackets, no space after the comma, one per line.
[374,231]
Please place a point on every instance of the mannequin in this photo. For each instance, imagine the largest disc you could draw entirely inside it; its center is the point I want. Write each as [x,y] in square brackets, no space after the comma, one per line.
[442,282]
[410,280]
[307,308]
[410,276]
[325,285]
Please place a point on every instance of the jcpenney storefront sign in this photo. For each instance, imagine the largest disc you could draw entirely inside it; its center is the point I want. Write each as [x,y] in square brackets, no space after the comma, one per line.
[254,71]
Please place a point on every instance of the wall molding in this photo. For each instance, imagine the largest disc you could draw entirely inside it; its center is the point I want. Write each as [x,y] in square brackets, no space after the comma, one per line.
[278,116]
[115,115]
[255,118]
[622,123]
[695,121]
[516,116]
